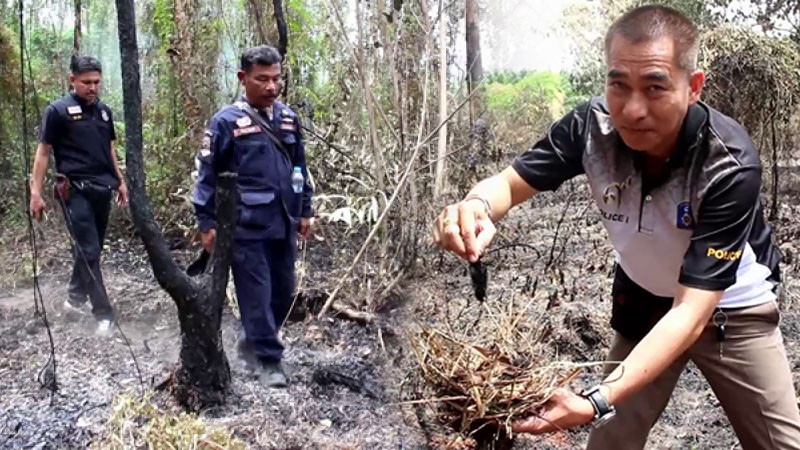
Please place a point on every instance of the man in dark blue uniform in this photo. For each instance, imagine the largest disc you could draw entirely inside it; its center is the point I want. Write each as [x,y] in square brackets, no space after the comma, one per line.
[79,129]
[259,138]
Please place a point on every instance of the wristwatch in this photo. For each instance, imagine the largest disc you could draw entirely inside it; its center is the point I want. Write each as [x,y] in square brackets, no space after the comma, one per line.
[603,411]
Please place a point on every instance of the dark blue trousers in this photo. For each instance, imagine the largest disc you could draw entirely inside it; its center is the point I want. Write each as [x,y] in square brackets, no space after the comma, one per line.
[87,213]
[263,273]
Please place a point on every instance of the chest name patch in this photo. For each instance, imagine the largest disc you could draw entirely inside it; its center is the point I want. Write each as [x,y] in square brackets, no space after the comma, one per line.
[246,130]
[76,109]
[613,217]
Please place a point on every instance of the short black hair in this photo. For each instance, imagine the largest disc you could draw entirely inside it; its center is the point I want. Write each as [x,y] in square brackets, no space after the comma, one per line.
[83,64]
[264,55]
[650,22]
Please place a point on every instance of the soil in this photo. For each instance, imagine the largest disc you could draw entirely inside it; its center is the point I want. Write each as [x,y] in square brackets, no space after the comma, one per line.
[350,383]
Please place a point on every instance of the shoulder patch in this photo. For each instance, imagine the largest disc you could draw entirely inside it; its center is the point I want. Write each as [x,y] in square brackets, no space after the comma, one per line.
[287,124]
[205,148]
[104,115]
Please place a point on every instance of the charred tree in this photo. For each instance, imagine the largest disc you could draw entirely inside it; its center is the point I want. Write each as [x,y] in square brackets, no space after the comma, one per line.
[280,24]
[202,377]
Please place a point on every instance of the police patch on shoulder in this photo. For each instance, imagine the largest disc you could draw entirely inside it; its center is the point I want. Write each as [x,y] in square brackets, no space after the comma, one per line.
[104,115]
[287,124]
[684,216]
[75,109]
[243,122]
[247,130]
[205,146]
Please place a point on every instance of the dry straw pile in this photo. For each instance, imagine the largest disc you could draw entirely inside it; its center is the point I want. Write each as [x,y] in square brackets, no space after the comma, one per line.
[499,369]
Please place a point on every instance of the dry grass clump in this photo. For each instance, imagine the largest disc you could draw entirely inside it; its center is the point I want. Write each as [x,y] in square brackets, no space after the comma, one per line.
[499,370]
[137,423]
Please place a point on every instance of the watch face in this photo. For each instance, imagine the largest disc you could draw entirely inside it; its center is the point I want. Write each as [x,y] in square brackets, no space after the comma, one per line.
[604,419]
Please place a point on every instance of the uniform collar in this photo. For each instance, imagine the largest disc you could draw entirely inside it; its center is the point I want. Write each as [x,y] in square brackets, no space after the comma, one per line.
[268,110]
[83,102]
[690,133]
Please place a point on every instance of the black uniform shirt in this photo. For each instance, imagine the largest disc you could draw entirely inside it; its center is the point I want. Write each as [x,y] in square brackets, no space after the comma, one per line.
[81,136]
[701,226]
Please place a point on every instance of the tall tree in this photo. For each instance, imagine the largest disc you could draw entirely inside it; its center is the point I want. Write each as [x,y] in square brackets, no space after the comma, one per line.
[441,154]
[474,60]
[366,86]
[258,16]
[197,51]
[202,377]
[76,36]
[280,24]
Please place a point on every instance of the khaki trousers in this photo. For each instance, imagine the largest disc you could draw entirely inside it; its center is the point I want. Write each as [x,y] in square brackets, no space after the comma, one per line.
[752,381]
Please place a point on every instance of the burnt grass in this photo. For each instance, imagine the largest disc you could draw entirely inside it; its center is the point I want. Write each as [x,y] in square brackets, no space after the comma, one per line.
[350,383]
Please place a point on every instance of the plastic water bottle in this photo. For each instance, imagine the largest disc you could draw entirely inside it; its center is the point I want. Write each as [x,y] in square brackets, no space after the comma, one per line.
[297,180]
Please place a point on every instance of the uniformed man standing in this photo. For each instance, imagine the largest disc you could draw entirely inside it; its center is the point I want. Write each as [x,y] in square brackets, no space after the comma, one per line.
[259,138]
[677,187]
[79,129]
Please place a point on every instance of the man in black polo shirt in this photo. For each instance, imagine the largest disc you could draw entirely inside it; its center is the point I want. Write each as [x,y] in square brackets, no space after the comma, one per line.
[79,130]
[677,187]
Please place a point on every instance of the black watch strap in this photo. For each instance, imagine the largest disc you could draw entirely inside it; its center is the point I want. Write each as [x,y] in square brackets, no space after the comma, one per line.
[599,402]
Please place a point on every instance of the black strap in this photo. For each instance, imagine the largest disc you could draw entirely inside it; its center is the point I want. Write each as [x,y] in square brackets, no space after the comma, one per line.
[267,129]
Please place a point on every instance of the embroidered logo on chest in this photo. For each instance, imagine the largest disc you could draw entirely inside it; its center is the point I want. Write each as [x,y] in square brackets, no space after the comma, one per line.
[243,122]
[246,130]
[684,217]
[613,192]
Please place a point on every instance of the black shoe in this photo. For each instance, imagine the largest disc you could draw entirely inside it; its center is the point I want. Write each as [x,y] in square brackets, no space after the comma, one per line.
[272,375]
[244,350]
[75,310]
[105,328]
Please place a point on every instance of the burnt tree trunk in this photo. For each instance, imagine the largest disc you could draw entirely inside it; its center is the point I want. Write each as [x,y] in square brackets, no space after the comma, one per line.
[283,44]
[202,377]
[280,23]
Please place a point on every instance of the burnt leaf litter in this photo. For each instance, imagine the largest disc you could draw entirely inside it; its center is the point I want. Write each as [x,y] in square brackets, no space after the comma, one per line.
[351,385]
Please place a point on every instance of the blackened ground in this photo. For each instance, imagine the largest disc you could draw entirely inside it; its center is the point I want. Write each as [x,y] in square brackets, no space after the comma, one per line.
[344,383]
[349,382]
[573,296]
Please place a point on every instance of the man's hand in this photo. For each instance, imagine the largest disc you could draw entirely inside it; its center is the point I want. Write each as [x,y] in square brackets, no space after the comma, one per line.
[208,237]
[564,410]
[122,195]
[305,227]
[464,228]
[37,205]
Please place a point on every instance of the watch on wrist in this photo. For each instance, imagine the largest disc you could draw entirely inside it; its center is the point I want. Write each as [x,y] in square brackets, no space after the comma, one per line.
[486,205]
[603,410]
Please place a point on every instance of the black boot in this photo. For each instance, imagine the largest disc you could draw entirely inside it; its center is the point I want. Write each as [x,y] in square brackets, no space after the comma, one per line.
[272,374]
[244,350]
